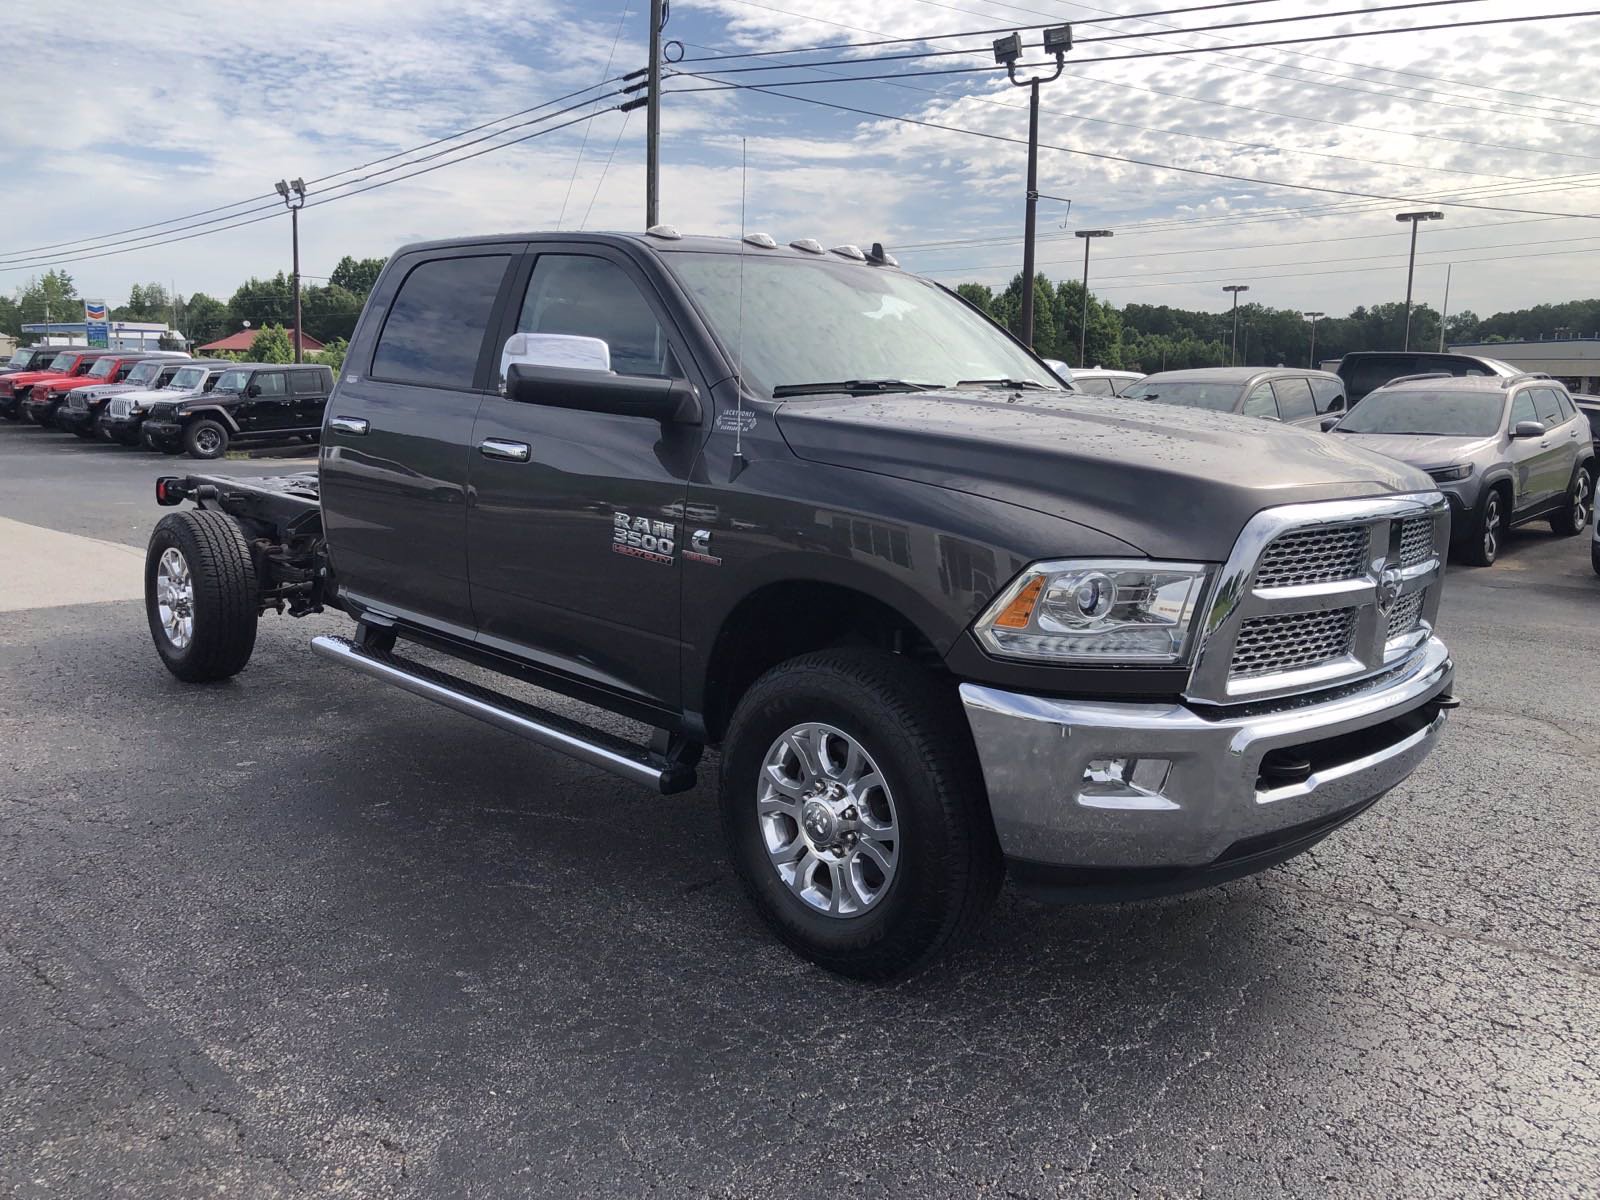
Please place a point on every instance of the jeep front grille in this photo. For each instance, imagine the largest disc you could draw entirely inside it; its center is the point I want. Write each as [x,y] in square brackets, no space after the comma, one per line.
[119,408]
[1314,556]
[1319,594]
[1271,645]
[78,401]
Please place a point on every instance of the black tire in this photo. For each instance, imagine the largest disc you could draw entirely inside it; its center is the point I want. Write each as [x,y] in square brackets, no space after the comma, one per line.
[222,602]
[205,439]
[948,863]
[129,437]
[1594,556]
[11,414]
[101,433]
[1487,529]
[1573,517]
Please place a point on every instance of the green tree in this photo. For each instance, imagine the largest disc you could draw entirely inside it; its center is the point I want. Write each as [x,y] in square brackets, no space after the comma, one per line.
[357,274]
[272,345]
[10,317]
[205,320]
[51,296]
[1103,346]
[331,355]
[1007,309]
[980,295]
[263,301]
[330,313]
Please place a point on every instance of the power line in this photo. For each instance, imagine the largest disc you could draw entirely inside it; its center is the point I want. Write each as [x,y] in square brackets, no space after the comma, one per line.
[767,89]
[621,129]
[80,243]
[584,145]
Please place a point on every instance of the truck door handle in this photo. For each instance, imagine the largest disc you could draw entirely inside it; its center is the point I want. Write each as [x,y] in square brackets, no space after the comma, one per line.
[510,451]
[355,425]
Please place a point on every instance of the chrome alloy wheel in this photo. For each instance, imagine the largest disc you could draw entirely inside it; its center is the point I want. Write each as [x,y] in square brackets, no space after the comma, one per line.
[1580,501]
[828,820]
[207,441]
[1491,526]
[175,597]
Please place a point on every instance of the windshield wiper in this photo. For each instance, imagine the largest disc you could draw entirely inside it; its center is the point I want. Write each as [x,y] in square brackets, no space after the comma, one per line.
[1006,383]
[852,386]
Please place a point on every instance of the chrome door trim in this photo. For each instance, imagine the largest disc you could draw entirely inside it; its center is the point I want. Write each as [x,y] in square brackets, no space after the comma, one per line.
[503,448]
[356,426]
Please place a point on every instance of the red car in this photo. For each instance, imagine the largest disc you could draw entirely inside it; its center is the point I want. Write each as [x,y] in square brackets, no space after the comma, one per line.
[47,395]
[71,361]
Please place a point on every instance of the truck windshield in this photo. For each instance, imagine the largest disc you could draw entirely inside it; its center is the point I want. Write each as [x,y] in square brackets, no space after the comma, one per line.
[233,381]
[102,368]
[20,359]
[1191,393]
[62,362]
[803,321]
[145,372]
[189,379]
[1441,413]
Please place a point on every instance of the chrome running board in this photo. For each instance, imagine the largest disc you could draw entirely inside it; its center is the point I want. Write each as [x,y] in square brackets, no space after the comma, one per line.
[592,746]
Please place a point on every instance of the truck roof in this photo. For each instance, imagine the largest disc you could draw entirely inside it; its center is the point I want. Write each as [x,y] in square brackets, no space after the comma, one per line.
[665,243]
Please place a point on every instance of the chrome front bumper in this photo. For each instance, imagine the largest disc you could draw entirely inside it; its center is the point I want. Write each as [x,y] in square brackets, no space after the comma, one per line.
[1108,785]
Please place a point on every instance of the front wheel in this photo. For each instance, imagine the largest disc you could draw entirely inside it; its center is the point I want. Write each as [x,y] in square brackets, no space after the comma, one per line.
[200,595]
[1573,516]
[1483,539]
[855,812]
[205,439]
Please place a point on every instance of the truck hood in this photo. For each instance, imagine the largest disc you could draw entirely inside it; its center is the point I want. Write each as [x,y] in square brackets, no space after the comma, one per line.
[30,378]
[1177,483]
[1419,449]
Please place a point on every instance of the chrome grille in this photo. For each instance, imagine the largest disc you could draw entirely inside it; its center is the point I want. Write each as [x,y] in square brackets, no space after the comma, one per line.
[79,401]
[1287,642]
[119,407]
[1406,615]
[1321,555]
[1416,540]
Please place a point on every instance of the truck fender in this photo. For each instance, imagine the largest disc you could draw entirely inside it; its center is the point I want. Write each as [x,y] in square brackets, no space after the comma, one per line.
[216,412]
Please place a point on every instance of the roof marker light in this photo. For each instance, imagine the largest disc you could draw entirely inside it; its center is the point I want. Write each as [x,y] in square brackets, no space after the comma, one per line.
[850,252]
[809,245]
[666,232]
[764,240]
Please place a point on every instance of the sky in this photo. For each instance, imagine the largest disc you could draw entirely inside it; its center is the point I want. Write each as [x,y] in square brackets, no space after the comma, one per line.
[152,112]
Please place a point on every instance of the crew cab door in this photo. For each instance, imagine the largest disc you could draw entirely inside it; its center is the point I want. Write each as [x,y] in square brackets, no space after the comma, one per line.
[266,405]
[551,488]
[396,440]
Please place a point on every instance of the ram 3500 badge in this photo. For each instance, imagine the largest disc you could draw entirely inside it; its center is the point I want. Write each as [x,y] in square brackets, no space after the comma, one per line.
[965,622]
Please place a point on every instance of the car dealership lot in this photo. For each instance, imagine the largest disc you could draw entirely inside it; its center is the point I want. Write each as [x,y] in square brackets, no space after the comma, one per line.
[298,933]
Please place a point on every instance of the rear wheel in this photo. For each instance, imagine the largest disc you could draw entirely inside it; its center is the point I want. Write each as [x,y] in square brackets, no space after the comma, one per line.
[200,595]
[855,812]
[1488,527]
[205,439]
[1573,516]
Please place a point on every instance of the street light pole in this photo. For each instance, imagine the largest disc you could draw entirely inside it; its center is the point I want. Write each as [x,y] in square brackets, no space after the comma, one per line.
[1233,352]
[1411,263]
[1007,51]
[1445,313]
[1088,235]
[293,192]
[1311,357]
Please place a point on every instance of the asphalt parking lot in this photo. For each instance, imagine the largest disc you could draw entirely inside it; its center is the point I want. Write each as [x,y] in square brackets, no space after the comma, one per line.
[298,934]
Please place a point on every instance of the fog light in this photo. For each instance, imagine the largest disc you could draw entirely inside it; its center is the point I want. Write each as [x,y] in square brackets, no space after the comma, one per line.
[1125,783]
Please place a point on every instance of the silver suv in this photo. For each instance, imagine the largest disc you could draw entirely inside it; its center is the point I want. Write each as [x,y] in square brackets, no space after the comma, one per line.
[1503,450]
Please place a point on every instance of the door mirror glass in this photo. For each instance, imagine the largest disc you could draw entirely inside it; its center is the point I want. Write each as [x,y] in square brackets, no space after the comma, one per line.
[566,351]
[1528,429]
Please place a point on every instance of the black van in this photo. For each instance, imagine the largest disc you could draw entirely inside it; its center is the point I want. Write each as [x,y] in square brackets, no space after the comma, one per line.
[252,401]
[1364,371]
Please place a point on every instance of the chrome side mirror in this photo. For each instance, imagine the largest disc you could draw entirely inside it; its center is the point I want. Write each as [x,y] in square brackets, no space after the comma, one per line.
[566,351]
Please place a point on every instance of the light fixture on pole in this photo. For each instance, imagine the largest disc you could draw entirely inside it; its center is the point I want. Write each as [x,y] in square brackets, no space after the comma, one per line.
[1314,317]
[1411,264]
[1088,235]
[1007,52]
[293,192]
[1233,351]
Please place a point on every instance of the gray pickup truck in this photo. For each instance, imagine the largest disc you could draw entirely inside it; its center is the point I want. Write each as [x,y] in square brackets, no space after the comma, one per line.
[943,618]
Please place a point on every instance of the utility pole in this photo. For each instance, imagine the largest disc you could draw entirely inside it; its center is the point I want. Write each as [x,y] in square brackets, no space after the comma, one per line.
[1088,235]
[1448,267]
[1007,52]
[1311,357]
[652,136]
[1411,263]
[294,196]
[1233,351]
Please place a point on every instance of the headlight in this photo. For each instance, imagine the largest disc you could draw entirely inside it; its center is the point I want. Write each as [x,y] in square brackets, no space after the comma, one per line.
[1450,474]
[1107,611]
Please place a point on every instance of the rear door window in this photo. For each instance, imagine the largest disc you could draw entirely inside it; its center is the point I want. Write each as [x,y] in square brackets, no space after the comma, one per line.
[306,383]
[1328,395]
[1294,399]
[1567,410]
[433,333]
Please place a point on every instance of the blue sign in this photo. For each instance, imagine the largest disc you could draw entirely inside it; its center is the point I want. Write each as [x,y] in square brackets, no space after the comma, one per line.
[97,327]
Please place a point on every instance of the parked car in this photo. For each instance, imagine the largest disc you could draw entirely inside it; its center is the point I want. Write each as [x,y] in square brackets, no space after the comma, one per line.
[1289,394]
[1364,370]
[80,413]
[1099,381]
[1589,406]
[1502,450]
[29,358]
[250,402]
[69,362]
[941,614]
[124,415]
[47,397]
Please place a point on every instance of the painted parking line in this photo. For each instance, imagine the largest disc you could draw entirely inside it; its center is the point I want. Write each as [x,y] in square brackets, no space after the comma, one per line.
[44,568]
